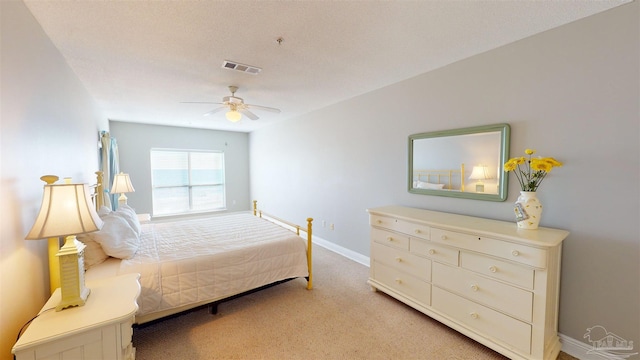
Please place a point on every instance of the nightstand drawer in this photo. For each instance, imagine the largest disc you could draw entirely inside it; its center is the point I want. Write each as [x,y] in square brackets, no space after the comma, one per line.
[507,250]
[506,329]
[508,299]
[403,261]
[403,283]
[396,240]
[434,251]
[498,269]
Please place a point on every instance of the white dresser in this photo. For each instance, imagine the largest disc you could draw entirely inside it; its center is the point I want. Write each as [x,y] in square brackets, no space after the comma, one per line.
[101,329]
[484,278]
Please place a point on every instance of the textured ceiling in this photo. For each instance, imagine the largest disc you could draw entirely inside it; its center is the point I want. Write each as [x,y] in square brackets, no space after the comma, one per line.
[141,59]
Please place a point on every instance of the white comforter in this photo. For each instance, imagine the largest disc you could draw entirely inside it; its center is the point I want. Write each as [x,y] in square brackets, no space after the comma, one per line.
[190,261]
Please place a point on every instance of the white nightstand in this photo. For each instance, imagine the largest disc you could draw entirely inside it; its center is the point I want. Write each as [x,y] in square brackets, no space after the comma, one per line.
[101,329]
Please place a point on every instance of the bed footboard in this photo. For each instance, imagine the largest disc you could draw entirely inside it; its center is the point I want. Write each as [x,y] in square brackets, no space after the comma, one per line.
[297,229]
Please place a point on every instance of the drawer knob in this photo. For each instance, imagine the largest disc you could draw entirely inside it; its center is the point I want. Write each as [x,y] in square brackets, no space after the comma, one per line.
[493,269]
[443,237]
[417,231]
[379,221]
[398,259]
[431,251]
[515,253]
[389,238]
[474,287]
[474,315]
[398,281]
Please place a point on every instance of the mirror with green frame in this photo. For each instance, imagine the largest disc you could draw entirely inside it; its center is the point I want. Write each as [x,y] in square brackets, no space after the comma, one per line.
[463,163]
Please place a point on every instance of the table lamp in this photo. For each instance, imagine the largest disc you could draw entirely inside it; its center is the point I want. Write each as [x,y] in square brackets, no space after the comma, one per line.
[67,210]
[480,172]
[121,185]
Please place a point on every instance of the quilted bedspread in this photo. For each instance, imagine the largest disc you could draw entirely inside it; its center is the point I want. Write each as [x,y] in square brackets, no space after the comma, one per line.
[206,259]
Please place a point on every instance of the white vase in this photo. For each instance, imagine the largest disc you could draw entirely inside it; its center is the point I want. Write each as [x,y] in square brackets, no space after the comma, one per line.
[528,210]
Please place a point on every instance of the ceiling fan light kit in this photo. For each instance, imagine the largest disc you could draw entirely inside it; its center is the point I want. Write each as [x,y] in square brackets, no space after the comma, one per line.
[233,116]
[236,107]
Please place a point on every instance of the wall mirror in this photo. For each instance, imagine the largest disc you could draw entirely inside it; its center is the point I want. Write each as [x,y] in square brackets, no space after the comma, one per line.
[464,163]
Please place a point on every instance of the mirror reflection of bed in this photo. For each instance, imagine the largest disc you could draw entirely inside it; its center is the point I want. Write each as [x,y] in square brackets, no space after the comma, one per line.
[439,179]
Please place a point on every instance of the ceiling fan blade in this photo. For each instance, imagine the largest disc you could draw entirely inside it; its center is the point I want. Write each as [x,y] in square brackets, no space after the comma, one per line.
[249,114]
[213,111]
[201,102]
[265,108]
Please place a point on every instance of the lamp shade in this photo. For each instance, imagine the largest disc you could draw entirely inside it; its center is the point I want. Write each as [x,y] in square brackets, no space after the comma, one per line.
[66,209]
[122,184]
[480,172]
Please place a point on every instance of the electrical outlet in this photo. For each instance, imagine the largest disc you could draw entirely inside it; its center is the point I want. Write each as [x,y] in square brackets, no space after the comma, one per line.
[324,223]
[331,227]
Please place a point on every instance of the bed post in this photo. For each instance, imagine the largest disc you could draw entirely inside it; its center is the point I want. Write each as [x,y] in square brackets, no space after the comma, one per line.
[99,190]
[53,245]
[309,247]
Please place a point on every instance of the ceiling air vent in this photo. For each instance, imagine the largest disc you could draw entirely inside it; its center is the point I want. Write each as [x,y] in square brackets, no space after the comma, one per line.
[248,69]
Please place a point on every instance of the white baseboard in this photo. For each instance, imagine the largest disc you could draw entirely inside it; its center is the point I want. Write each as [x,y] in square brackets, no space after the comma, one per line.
[349,254]
[583,351]
[571,346]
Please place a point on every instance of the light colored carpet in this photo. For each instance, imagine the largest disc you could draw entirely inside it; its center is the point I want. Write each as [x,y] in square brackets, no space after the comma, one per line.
[341,318]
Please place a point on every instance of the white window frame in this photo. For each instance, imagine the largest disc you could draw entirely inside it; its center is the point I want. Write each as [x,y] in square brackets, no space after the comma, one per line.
[190,186]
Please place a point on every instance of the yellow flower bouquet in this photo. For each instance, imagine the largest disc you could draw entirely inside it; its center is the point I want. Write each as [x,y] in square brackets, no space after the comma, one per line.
[531,171]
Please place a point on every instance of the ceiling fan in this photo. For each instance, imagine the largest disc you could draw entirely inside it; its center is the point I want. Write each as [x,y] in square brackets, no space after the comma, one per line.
[236,107]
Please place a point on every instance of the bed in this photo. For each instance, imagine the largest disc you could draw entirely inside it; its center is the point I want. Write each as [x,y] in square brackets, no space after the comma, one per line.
[196,261]
[439,179]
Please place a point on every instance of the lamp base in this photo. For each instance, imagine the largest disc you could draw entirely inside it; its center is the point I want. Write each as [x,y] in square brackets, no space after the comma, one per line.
[479,187]
[78,301]
[73,292]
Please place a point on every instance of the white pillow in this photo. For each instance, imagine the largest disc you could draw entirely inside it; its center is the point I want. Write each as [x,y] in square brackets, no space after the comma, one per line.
[426,185]
[93,253]
[117,238]
[127,213]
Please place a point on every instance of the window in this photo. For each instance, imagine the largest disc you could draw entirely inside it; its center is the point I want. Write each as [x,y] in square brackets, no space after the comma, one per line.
[185,181]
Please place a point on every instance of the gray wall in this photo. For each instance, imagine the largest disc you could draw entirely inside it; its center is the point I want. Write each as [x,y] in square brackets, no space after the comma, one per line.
[49,125]
[571,93]
[136,140]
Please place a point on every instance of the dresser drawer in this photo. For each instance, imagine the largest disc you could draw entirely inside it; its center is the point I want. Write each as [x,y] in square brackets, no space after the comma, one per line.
[511,251]
[389,238]
[402,282]
[511,300]
[498,269]
[406,227]
[403,261]
[434,251]
[512,332]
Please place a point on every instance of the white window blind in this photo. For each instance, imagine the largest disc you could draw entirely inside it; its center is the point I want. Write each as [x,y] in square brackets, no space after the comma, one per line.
[185,181]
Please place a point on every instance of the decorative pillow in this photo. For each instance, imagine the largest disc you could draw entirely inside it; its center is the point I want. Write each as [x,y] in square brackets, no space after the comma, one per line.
[103,211]
[93,253]
[117,238]
[426,185]
[127,213]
